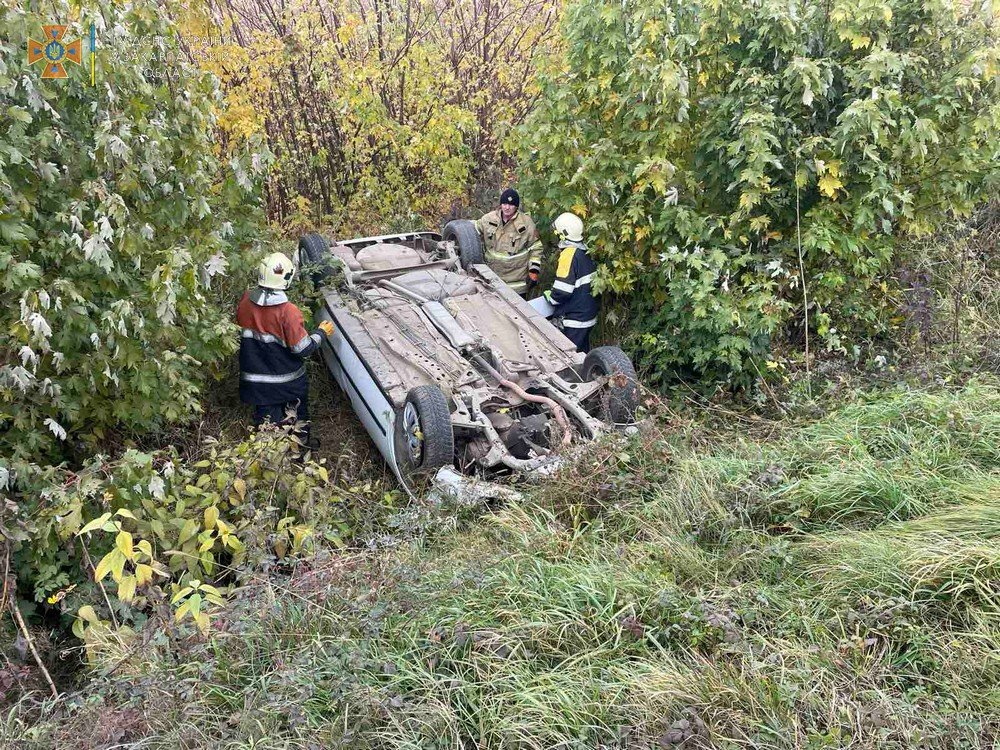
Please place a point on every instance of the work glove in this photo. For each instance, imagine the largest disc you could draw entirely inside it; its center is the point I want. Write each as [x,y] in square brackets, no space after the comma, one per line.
[532,280]
[326,327]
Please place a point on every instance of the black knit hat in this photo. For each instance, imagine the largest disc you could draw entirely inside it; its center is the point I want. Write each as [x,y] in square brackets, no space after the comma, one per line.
[511,197]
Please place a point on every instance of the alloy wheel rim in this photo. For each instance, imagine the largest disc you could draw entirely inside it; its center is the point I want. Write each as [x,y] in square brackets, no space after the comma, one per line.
[414,435]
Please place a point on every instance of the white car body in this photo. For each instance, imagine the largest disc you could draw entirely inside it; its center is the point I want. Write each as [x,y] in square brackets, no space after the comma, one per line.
[407,316]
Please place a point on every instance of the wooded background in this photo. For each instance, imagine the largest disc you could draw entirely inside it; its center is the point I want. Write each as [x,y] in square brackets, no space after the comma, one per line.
[377,112]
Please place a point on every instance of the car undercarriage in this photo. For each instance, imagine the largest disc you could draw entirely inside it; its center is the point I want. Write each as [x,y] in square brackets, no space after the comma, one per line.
[446,365]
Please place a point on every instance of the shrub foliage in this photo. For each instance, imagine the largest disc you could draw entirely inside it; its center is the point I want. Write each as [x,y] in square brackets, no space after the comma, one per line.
[708,143]
[119,539]
[115,213]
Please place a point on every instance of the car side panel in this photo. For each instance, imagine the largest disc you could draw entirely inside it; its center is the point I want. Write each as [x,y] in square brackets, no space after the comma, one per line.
[370,403]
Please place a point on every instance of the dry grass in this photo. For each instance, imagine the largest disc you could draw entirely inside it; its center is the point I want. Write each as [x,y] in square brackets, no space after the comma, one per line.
[832,586]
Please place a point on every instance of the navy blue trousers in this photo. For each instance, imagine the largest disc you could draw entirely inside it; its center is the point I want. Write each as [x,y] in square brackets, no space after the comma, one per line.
[278,414]
[579,336]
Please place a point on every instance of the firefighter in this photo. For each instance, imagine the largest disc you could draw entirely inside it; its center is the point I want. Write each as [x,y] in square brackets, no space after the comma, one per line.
[273,348]
[511,244]
[575,305]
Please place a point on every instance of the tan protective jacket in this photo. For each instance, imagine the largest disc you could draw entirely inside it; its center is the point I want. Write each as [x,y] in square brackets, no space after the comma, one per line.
[511,249]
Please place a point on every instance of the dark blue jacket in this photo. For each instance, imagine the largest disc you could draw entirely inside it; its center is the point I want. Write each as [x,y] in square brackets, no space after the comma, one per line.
[570,292]
[273,346]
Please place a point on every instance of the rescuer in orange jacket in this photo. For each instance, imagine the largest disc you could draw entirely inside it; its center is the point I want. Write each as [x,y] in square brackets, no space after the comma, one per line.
[273,346]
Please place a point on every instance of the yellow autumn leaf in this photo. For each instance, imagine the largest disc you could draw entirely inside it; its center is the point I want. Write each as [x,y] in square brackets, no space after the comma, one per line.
[124,543]
[580,210]
[211,516]
[829,184]
[104,566]
[143,574]
[126,588]
[117,564]
[201,620]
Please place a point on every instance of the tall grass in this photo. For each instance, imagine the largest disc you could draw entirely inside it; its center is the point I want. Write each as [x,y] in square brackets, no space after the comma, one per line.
[835,585]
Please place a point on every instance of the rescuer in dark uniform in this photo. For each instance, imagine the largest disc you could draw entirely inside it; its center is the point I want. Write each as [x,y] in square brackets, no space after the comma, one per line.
[575,305]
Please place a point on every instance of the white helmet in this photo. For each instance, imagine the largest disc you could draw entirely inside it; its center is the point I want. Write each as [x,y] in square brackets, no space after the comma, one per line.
[275,272]
[569,227]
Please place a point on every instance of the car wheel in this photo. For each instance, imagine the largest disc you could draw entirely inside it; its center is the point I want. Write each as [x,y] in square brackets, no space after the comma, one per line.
[314,250]
[424,438]
[464,234]
[621,400]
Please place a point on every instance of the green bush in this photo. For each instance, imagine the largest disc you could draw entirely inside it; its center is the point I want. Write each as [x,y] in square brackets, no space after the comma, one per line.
[115,214]
[148,524]
[700,140]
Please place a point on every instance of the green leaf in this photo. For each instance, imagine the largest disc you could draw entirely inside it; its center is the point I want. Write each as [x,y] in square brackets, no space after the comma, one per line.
[235,544]
[18,114]
[190,529]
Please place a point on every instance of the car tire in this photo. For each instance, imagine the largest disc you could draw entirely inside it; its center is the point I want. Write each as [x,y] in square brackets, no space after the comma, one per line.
[465,235]
[423,435]
[315,250]
[622,396]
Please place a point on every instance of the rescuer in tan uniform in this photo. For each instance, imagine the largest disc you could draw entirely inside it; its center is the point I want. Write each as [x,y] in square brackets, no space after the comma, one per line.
[511,244]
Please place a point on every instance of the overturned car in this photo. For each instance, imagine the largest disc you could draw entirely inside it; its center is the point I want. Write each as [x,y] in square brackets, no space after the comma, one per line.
[447,366]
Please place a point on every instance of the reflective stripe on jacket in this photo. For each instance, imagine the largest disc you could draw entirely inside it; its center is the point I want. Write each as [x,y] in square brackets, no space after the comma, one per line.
[273,346]
[511,249]
[570,292]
